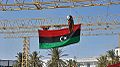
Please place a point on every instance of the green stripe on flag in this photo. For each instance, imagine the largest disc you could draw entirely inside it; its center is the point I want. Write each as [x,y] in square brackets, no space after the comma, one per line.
[59,44]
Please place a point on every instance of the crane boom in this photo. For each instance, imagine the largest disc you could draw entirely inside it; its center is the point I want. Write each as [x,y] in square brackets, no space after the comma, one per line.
[6,5]
[28,27]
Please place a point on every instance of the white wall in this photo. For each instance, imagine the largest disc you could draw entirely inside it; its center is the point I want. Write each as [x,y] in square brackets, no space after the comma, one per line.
[117,51]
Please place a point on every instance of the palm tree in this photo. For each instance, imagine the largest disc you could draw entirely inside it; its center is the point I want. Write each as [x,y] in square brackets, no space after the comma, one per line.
[109,58]
[55,60]
[113,58]
[35,60]
[102,61]
[19,60]
[71,63]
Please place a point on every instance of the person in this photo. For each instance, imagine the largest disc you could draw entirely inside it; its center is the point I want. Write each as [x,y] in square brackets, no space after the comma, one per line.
[70,23]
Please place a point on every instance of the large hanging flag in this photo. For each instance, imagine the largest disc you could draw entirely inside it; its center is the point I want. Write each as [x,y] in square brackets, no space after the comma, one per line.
[59,38]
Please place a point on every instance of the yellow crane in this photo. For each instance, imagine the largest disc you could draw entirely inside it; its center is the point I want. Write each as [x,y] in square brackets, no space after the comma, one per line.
[13,5]
[27,28]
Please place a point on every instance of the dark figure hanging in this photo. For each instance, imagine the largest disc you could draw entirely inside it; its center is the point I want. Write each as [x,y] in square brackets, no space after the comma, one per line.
[70,23]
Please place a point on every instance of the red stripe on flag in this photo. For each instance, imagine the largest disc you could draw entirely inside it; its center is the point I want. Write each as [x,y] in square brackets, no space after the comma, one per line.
[54,33]
[114,65]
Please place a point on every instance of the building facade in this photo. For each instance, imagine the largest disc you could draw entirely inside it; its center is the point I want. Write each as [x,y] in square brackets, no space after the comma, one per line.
[117,51]
[82,62]
[7,63]
[87,62]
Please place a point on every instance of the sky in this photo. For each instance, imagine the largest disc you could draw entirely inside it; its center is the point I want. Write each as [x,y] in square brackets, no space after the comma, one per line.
[89,46]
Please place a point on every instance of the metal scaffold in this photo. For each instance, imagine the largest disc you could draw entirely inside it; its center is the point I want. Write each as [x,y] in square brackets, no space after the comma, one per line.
[13,5]
[91,26]
[25,53]
[27,28]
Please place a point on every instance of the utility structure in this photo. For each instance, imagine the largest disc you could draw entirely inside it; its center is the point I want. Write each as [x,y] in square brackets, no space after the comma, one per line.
[25,53]
[119,44]
[14,5]
[27,28]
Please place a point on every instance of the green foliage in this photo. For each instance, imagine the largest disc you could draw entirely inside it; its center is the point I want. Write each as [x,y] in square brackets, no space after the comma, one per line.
[102,61]
[19,60]
[112,56]
[35,60]
[109,58]
[71,63]
[55,60]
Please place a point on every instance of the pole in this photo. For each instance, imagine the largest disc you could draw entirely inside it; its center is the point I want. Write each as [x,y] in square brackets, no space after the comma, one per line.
[119,40]
[8,63]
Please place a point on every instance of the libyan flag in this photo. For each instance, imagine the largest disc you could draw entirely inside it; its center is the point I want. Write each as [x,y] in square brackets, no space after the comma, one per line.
[58,38]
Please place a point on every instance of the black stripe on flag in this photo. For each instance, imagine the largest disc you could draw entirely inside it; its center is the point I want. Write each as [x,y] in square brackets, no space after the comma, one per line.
[59,38]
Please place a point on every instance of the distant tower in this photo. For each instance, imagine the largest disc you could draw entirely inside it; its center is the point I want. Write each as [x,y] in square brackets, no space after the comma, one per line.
[25,53]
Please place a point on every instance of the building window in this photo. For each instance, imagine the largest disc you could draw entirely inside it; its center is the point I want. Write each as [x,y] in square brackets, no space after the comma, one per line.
[117,52]
[88,64]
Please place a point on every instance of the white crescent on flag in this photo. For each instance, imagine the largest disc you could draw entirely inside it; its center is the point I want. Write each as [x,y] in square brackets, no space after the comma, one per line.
[63,38]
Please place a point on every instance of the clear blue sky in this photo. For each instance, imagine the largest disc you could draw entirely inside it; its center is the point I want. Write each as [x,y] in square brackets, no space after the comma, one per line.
[88,46]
